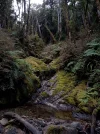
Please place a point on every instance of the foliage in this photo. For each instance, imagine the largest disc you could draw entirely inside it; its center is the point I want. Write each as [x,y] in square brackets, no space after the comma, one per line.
[94,78]
[17,81]
[51,51]
[88,62]
[36,64]
[55,64]
[53,129]
[94,48]
[64,82]
[16,54]
[6,42]
[34,45]
[44,94]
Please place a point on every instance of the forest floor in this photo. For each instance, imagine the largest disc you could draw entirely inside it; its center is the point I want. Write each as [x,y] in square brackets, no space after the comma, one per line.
[56,103]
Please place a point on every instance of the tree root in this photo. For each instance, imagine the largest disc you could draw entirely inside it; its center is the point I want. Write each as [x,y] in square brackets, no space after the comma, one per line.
[26,124]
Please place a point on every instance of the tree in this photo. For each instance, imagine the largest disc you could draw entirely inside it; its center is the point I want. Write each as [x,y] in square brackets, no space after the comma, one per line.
[5,13]
[66,16]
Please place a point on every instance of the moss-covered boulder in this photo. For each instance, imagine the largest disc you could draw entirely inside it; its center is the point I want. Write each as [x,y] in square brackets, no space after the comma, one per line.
[65,82]
[59,129]
[63,90]
[17,81]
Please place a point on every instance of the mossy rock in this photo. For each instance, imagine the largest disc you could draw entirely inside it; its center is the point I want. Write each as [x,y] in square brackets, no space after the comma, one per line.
[44,94]
[64,85]
[59,129]
[65,82]
[81,98]
[17,80]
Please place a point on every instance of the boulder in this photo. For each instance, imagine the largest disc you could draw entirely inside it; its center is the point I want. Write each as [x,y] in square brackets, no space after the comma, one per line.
[17,81]
[59,129]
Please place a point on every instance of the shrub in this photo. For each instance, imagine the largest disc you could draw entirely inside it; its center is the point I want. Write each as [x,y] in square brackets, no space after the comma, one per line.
[17,81]
[34,45]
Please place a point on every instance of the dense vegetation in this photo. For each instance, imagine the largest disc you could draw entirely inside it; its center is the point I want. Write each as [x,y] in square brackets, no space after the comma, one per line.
[58,41]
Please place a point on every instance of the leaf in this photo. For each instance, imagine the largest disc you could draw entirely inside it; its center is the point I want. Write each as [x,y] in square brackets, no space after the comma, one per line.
[70,63]
[91,52]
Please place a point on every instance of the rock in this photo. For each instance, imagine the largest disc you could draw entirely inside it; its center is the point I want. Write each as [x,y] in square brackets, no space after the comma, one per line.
[76,125]
[17,81]
[82,116]
[55,129]
[4,121]
[13,130]
[1,128]
[97,130]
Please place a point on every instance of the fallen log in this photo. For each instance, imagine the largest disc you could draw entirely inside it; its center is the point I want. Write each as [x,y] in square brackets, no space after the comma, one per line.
[26,124]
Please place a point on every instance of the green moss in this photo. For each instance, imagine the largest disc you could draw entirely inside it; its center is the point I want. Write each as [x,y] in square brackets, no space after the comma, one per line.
[70,100]
[36,64]
[53,129]
[55,64]
[44,94]
[65,82]
[79,96]
[24,75]
[76,94]
[63,115]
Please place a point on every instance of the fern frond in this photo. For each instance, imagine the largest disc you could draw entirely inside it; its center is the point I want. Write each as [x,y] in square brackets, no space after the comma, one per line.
[91,52]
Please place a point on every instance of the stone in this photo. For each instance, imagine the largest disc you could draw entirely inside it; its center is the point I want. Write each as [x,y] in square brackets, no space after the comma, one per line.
[76,125]
[59,129]
[4,121]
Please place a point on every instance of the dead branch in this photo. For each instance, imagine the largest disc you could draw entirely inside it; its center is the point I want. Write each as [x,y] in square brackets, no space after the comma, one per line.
[26,124]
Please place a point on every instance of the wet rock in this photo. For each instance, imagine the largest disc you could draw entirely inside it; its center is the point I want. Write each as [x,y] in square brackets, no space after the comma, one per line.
[13,130]
[82,116]
[4,121]
[76,125]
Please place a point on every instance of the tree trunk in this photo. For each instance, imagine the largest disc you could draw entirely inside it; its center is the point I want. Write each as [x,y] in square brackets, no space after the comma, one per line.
[27,30]
[98,8]
[24,27]
[66,14]
[39,27]
[19,12]
[59,20]
[51,34]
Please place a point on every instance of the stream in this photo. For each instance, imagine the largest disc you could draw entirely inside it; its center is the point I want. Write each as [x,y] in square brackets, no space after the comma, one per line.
[43,112]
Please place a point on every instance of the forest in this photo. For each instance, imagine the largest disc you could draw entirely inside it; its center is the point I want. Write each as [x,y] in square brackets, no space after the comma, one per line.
[50,67]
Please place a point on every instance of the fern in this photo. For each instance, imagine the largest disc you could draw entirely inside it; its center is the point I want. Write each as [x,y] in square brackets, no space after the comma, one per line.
[91,52]
[78,66]
[94,48]
[93,44]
